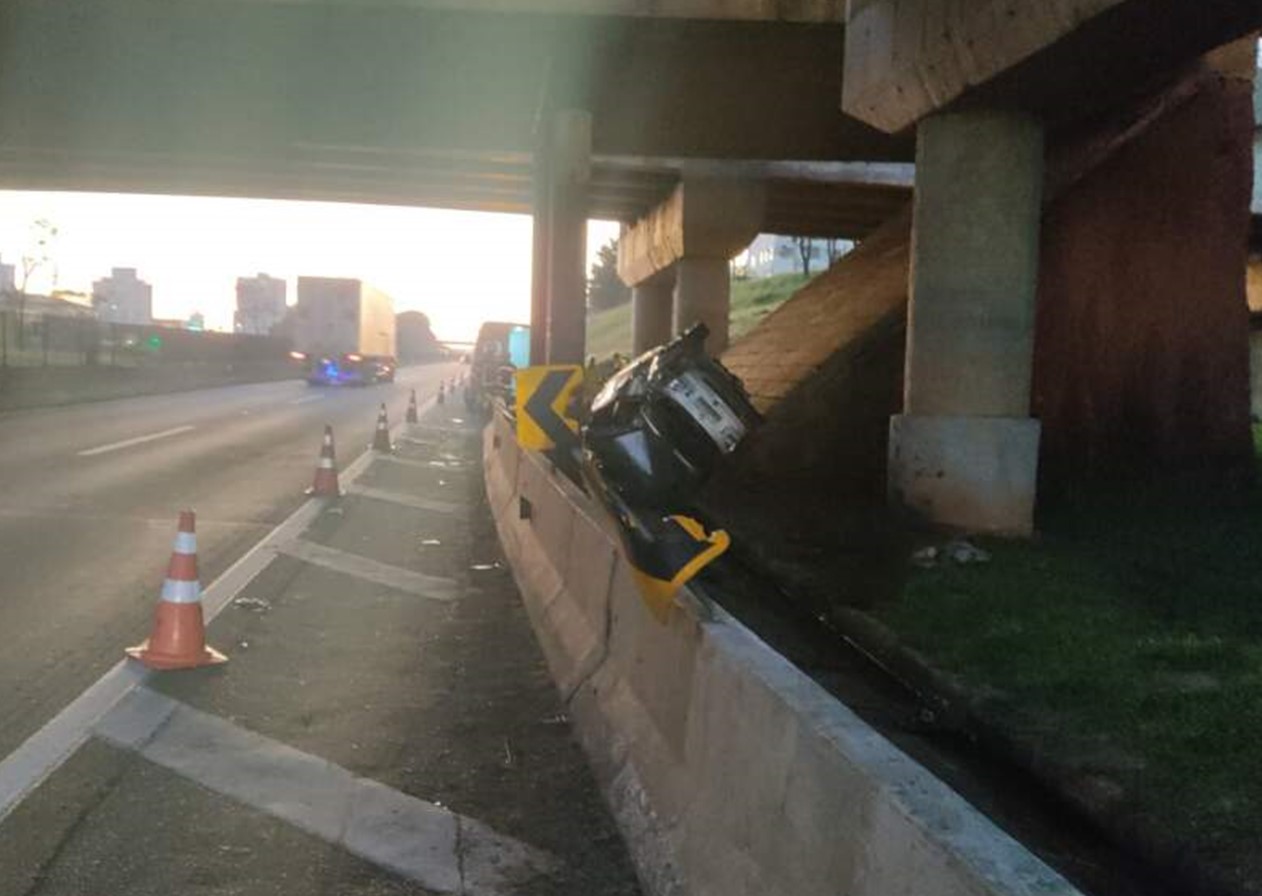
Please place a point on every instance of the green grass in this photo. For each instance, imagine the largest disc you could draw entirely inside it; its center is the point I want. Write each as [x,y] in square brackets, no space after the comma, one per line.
[1127,642]
[752,300]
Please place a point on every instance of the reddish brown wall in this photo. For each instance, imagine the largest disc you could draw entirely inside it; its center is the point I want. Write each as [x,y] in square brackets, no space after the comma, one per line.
[1142,356]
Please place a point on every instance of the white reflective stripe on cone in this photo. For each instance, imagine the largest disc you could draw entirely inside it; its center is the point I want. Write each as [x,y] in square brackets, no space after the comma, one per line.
[175,591]
[185,543]
[326,463]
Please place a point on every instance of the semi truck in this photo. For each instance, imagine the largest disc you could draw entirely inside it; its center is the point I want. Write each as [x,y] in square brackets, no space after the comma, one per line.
[344,332]
[501,348]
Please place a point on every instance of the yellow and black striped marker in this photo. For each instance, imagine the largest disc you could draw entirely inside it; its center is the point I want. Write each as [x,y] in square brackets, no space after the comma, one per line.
[664,559]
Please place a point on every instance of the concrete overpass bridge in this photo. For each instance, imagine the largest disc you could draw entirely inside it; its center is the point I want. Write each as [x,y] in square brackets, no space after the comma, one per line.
[696,123]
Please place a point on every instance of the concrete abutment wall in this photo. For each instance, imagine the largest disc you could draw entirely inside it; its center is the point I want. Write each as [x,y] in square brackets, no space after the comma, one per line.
[35,387]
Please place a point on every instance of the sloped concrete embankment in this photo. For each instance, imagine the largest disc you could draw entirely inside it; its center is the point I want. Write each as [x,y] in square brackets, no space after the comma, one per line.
[729,771]
[34,387]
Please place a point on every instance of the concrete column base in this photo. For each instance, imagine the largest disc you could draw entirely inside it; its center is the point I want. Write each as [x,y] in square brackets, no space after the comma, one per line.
[977,474]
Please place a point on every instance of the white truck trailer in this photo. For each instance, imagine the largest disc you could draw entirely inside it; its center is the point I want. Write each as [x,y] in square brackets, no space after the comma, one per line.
[344,333]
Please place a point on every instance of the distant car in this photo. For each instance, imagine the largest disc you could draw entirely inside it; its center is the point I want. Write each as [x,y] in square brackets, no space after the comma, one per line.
[348,369]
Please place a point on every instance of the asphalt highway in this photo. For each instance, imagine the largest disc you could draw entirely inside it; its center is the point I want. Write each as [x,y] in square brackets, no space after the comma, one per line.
[89,496]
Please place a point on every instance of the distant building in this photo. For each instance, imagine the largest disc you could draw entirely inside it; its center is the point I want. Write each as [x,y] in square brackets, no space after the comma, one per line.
[769,255]
[123,298]
[8,283]
[260,304]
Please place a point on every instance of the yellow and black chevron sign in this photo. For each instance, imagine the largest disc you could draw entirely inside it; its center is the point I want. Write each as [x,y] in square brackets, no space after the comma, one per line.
[543,399]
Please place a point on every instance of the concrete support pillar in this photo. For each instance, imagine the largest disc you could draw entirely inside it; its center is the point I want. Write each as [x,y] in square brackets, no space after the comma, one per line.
[569,171]
[964,453]
[651,313]
[540,189]
[703,293]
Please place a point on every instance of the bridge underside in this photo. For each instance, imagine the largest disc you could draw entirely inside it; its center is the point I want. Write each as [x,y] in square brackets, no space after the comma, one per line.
[414,105]
[696,123]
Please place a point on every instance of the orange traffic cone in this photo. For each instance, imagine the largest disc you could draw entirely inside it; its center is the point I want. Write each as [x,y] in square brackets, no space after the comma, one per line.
[325,484]
[381,438]
[441,397]
[178,640]
[411,417]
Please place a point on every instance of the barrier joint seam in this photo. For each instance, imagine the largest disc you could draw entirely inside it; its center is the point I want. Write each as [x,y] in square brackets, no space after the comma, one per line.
[599,662]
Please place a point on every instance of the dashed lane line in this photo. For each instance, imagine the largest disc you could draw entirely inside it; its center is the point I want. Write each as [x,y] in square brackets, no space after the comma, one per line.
[434,466]
[406,500]
[43,752]
[361,567]
[419,840]
[138,440]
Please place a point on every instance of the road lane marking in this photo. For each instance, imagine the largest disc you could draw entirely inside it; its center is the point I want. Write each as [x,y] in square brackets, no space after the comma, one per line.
[429,427]
[404,500]
[307,398]
[439,849]
[139,440]
[361,567]
[431,465]
[43,752]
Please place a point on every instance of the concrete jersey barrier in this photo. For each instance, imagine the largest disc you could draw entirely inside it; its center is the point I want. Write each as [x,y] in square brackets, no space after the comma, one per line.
[36,387]
[729,771]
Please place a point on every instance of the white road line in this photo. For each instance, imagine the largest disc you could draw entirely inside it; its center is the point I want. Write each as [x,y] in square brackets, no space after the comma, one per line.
[434,466]
[43,752]
[381,494]
[307,398]
[419,840]
[139,440]
[361,567]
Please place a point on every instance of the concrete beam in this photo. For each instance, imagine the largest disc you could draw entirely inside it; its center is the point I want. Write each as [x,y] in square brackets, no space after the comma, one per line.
[1059,59]
[257,79]
[907,58]
[804,11]
[702,218]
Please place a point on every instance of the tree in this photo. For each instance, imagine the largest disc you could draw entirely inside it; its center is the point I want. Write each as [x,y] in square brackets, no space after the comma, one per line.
[604,289]
[415,339]
[805,247]
[38,255]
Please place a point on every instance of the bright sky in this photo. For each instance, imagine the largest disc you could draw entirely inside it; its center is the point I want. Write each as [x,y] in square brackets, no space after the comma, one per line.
[460,268]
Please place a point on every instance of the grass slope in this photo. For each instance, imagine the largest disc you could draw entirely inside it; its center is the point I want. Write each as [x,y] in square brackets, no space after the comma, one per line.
[752,300]
[1125,646]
